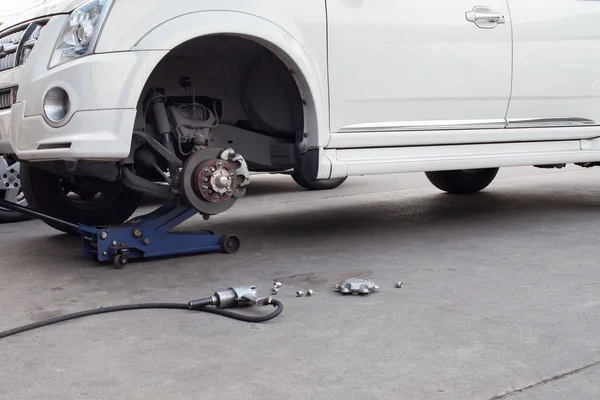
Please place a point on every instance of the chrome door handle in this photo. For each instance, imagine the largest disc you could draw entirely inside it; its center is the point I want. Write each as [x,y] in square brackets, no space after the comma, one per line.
[484,17]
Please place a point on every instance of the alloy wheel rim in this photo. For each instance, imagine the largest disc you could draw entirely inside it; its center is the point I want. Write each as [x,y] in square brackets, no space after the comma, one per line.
[10,182]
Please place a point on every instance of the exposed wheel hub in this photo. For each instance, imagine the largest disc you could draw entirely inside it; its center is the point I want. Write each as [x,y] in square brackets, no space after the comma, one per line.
[215,180]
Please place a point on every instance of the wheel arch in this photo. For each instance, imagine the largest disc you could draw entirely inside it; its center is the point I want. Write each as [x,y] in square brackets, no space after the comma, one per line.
[177,31]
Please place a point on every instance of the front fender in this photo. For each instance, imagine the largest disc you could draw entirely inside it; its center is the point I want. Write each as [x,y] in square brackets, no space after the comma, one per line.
[176,31]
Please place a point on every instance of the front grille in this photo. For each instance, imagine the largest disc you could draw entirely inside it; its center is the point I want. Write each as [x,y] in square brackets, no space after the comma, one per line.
[16,43]
[7,98]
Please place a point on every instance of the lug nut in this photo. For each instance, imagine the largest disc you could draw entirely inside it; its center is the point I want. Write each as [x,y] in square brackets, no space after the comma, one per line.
[277,284]
[274,290]
[309,292]
[299,293]
[398,285]
[103,235]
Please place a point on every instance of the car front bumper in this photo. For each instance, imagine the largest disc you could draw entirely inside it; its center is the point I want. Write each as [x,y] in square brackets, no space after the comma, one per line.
[103,89]
[93,135]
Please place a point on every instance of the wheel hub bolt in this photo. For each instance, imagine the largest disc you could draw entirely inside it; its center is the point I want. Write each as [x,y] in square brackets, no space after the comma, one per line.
[103,235]
[221,181]
[137,233]
[114,242]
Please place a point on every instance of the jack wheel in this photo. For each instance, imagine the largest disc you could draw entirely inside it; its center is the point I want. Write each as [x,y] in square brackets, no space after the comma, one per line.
[229,244]
[120,261]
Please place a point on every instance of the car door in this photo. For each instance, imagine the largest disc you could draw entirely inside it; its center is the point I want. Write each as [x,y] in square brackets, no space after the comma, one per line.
[397,65]
[556,79]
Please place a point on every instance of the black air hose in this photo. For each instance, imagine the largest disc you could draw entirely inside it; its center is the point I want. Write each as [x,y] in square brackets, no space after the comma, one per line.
[179,306]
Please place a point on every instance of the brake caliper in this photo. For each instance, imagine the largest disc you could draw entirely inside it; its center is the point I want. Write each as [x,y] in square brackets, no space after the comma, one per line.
[241,171]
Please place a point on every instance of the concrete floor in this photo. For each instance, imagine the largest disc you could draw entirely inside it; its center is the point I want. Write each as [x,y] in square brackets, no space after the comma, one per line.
[500,299]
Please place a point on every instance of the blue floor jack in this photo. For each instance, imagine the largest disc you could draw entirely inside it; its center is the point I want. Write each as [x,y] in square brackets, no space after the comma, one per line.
[145,236]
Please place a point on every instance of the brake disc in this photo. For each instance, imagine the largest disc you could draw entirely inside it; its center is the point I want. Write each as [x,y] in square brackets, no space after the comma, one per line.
[209,183]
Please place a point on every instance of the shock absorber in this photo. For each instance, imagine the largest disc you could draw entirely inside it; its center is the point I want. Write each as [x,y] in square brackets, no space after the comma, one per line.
[156,100]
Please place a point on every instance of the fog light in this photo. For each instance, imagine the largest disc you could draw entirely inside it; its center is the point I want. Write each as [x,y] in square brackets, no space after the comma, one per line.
[56,105]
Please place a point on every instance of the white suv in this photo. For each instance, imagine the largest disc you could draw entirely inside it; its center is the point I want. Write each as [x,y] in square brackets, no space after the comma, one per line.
[108,99]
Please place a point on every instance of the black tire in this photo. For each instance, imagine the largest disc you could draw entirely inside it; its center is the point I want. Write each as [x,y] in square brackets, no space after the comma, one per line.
[47,193]
[310,184]
[462,181]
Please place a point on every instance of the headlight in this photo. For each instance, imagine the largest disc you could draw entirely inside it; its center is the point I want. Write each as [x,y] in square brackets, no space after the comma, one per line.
[81,32]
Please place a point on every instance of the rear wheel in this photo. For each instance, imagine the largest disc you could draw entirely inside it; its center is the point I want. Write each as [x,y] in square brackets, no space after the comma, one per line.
[77,201]
[313,184]
[464,181]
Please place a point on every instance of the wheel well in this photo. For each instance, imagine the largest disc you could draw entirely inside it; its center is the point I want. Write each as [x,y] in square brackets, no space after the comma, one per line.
[258,88]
